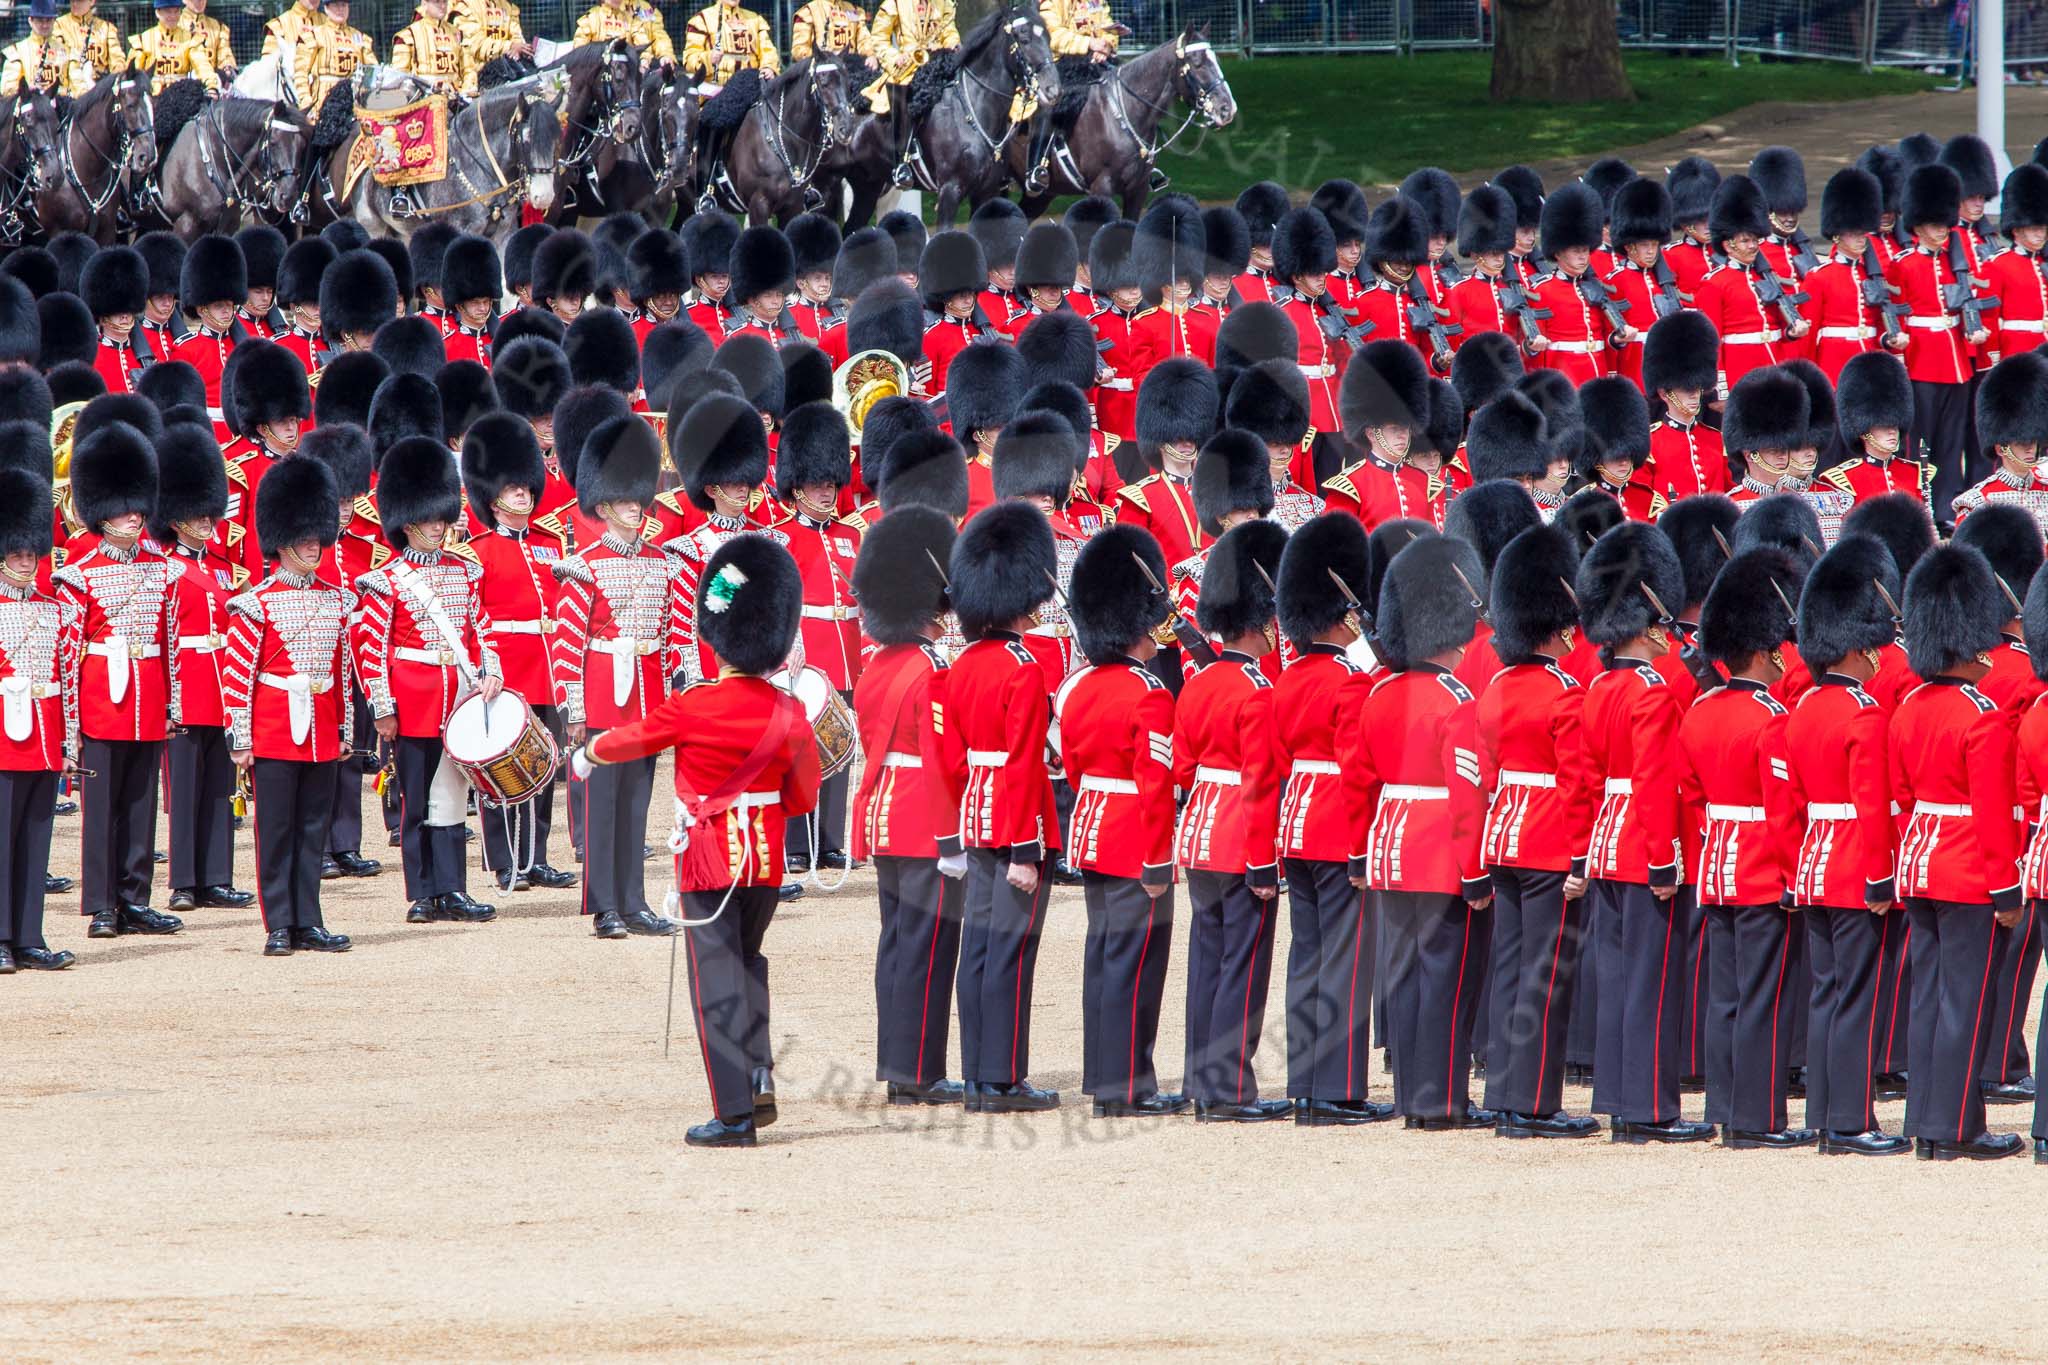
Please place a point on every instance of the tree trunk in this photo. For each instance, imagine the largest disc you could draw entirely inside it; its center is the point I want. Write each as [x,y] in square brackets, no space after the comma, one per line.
[1558,52]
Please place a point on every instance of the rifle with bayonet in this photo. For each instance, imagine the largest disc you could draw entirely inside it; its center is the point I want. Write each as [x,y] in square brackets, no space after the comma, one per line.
[1335,321]
[1189,639]
[1880,293]
[1666,299]
[1514,301]
[1771,293]
[1961,297]
[1424,317]
[1595,292]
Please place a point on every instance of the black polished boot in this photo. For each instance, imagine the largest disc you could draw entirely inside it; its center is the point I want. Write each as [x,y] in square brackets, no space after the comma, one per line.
[723,1133]
[225,897]
[320,939]
[105,924]
[938,1092]
[607,924]
[764,1096]
[278,943]
[354,864]
[553,878]
[1876,1142]
[140,919]
[648,923]
[42,959]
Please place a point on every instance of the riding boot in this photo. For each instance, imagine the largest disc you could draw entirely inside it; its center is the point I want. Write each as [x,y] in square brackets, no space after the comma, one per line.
[901,175]
[1038,158]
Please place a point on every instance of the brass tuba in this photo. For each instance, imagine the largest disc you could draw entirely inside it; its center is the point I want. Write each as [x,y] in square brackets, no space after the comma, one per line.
[865,380]
[62,422]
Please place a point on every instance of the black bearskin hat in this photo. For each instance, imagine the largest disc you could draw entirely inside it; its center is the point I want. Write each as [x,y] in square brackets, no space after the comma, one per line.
[25,397]
[1086,216]
[1572,217]
[25,522]
[125,409]
[1851,201]
[2009,539]
[1168,247]
[603,349]
[1002,567]
[620,462]
[1177,401]
[427,249]
[21,328]
[1385,384]
[1588,515]
[1954,610]
[1486,222]
[467,393]
[1748,610]
[1231,475]
[718,441]
[520,249]
[34,267]
[1969,156]
[983,385]
[532,374]
[1642,213]
[673,349]
[999,226]
[1873,391]
[1612,577]
[305,265]
[1616,421]
[1111,604]
[1388,539]
[2025,200]
[1064,400]
[270,386]
[581,412]
[214,272]
[762,263]
[1228,242]
[1303,245]
[2012,401]
[405,405]
[348,384]
[297,501]
[815,448]
[174,383]
[564,266]
[1691,525]
[813,242]
[74,383]
[1897,521]
[708,241]
[1606,176]
[894,416]
[609,241]
[1309,601]
[1890,172]
[499,452]
[908,233]
[1691,182]
[1555,397]
[392,252]
[952,263]
[1933,195]
[1436,194]
[1784,520]
[657,264]
[1262,205]
[1767,410]
[1110,264]
[749,605]
[1531,595]
[164,254]
[1820,404]
[346,234]
[1487,516]
[115,281]
[1343,204]
[68,330]
[1738,207]
[1446,426]
[925,468]
[192,480]
[806,375]
[1781,175]
[887,316]
[1509,439]
[1840,611]
[1236,598]
[411,345]
[358,293]
[1058,346]
[1270,400]
[470,270]
[1424,609]
[1047,258]
[899,577]
[1034,457]
[1682,351]
[1488,365]
[1525,187]
[113,472]
[1253,332]
[1397,233]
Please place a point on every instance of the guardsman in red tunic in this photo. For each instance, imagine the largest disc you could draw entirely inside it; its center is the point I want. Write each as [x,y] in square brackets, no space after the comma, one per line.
[1525,188]
[1578,334]
[763,273]
[162,323]
[814,243]
[212,287]
[427,249]
[298,298]
[192,493]
[503,476]
[1630,727]
[906,815]
[1732,297]
[996,730]
[951,275]
[722,453]
[708,241]
[1436,452]
[1976,168]
[618,641]
[1047,259]
[1169,258]
[746,762]
[1343,206]
[285,696]
[1732,754]
[1232,485]
[1385,408]
[1227,251]
[1315,708]
[1638,227]
[1034,462]
[1952,778]
[1613,457]
[2014,276]
[1486,237]
[1177,412]
[1262,205]
[263,248]
[1269,401]
[1845,324]
[120,629]
[2032,744]
[472,282]
[982,389]
[1118,368]
[1874,410]
[1679,372]
[532,377]
[1691,182]
[1435,193]
[1304,249]
[812,464]
[565,274]
[1938,351]
[1780,175]
[1411,773]
[115,283]
[1762,430]
[39,738]
[2012,425]
[998,225]
[1226,758]
[660,277]
[1838,753]
[422,646]
[1532,763]
[270,406]
[1116,747]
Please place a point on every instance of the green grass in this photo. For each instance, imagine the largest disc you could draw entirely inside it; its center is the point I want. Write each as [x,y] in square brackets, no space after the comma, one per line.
[1302,120]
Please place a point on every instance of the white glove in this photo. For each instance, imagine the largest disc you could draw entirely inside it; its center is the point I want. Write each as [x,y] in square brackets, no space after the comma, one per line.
[953,865]
[679,837]
[579,763]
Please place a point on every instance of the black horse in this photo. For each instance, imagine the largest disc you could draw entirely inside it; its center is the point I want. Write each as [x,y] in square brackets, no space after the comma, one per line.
[107,154]
[601,169]
[668,131]
[1113,142]
[958,146]
[771,169]
[28,159]
[860,168]
[237,161]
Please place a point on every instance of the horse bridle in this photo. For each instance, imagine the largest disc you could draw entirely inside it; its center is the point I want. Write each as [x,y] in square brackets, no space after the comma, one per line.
[1023,80]
[1200,99]
[117,163]
[830,130]
[19,189]
[496,194]
[239,176]
[615,110]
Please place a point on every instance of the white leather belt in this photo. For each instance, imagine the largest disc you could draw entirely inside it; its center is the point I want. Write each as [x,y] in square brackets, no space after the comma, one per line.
[541,627]
[1231,777]
[1510,777]
[1316,767]
[1620,786]
[1735,815]
[748,801]
[1939,810]
[1577,347]
[902,761]
[285,681]
[1118,786]
[1057,630]
[299,691]
[1402,791]
[36,691]
[625,647]
[440,658]
[1940,324]
[832,613]
[1763,338]
[1830,810]
[1322,371]
[202,644]
[217,414]
[1846,333]
[107,649]
[1120,385]
[2036,325]
[987,758]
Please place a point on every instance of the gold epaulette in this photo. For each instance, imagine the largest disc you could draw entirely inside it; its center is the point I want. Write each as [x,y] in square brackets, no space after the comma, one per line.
[235,474]
[552,524]
[1839,475]
[1110,441]
[1135,492]
[366,508]
[240,577]
[758,496]
[1657,504]
[669,500]
[1341,482]
[1144,312]
[236,531]
[463,550]
[380,555]
[1308,438]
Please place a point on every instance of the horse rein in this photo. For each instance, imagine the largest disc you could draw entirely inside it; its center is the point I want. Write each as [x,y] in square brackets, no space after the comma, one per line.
[236,188]
[606,127]
[117,164]
[829,132]
[1023,81]
[1201,101]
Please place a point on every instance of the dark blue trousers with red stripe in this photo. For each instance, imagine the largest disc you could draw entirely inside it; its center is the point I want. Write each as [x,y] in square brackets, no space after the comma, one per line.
[1230,968]
[729,991]
[1000,928]
[1536,947]
[1436,944]
[1954,956]
[1329,983]
[2012,990]
[915,958]
[1846,1031]
[1639,947]
[1123,984]
[1753,996]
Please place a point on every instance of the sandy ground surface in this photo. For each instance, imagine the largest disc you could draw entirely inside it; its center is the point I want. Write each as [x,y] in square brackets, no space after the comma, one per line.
[465,1143]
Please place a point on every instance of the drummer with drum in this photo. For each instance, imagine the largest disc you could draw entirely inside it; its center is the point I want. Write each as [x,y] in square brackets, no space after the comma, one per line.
[422,646]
